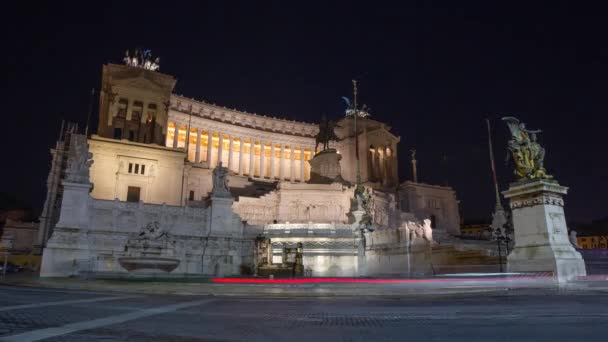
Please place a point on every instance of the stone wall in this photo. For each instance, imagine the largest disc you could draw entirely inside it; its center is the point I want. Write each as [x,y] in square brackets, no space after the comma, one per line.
[397,252]
[93,235]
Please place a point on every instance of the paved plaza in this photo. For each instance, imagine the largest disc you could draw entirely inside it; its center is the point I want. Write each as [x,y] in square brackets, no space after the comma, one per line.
[32,314]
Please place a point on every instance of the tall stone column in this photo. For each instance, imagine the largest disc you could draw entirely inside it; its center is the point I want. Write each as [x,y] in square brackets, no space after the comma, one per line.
[175,135]
[272,161]
[262,161]
[230,147]
[209,147]
[220,148]
[241,144]
[251,158]
[281,162]
[377,165]
[301,164]
[292,165]
[540,230]
[197,157]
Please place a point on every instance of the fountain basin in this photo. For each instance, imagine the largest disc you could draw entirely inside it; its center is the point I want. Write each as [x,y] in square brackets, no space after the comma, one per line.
[148,264]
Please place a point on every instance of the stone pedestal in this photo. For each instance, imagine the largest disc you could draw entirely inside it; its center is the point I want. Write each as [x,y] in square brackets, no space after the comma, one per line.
[541,234]
[325,167]
[223,221]
[68,247]
[75,205]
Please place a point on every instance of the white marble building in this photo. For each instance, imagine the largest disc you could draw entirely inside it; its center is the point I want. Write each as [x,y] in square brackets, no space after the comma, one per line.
[152,160]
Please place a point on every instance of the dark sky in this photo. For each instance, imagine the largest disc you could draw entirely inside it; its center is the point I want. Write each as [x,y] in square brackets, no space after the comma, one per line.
[433,71]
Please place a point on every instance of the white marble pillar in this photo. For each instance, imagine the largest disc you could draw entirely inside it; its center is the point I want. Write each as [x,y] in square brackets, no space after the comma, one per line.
[377,165]
[272,161]
[251,158]
[209,147]
[197,157]
[230,147]
[262,161]
[301,165]
[241,144]
[175,135]
[220,148]
[281,162]
[292,165]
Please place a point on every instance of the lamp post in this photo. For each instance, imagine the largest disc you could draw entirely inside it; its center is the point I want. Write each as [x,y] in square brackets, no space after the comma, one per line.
[501,237]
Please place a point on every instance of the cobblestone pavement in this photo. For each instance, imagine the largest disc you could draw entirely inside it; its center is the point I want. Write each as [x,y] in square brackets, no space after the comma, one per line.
[29,314]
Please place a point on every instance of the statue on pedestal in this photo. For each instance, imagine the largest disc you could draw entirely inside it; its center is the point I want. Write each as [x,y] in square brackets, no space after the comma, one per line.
[326,133]
[220,182]
[573,239]
[79,160]
[526,152]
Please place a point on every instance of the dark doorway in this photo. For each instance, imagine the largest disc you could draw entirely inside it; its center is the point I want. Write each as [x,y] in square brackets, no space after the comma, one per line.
[433,221]
[133,193]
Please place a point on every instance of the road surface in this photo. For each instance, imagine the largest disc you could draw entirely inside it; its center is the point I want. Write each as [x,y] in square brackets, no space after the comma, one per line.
[30,314]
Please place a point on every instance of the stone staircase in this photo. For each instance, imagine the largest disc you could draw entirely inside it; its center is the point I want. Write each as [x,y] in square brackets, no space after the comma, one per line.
[455,258]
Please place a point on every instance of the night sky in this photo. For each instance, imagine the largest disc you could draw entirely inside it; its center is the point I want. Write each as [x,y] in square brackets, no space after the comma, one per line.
[432,71]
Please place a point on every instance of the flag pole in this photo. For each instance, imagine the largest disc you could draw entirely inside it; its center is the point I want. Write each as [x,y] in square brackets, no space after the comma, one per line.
[493,166]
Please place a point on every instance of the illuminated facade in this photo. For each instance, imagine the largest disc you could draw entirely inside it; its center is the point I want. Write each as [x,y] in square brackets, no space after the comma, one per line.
[153,156]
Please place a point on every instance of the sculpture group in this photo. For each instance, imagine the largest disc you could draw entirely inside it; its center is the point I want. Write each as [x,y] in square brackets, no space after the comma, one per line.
[142,59]
[526,152]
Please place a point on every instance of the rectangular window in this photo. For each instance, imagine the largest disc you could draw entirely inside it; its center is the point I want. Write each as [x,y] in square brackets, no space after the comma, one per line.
[130,167]
[117,133]
[133,193]
[143,169]
[136,168]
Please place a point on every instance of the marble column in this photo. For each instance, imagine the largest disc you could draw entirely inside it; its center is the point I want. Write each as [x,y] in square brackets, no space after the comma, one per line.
[220,148]
[301,165]
[377,165]
[272,161]
[230,147]
[262,166]
[197,157]
[292,165]
[251,158]
[209,147]
[175,135]
[241,144]
[281,162]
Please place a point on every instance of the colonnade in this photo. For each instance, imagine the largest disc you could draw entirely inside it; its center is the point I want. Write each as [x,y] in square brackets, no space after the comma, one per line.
[245,156]
[380,163]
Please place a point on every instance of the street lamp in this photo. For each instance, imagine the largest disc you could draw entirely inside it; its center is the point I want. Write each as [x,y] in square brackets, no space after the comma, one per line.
[501,237]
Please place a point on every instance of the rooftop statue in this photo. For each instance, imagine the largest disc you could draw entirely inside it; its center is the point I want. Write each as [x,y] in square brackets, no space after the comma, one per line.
[142,59]
[326,133]
[526,152]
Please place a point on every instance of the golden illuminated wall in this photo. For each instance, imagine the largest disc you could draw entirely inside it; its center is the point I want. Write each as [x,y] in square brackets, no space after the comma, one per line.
[593,242]
[159,171]
[257,158]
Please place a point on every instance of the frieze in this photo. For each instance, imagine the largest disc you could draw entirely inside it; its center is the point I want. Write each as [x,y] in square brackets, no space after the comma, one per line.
[236,117]
[541,200]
